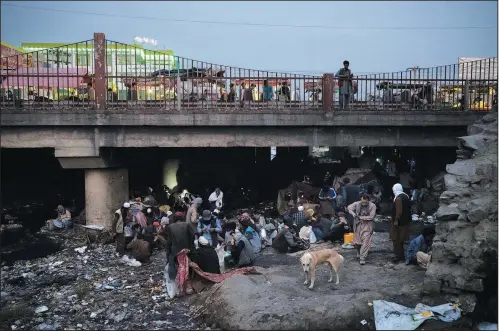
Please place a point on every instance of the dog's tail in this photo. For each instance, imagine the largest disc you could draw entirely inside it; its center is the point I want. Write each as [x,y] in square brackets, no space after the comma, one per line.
[342,258]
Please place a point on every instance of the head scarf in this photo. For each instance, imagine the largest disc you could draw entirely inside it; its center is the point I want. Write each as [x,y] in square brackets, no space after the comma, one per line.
[397,190]
[310,212]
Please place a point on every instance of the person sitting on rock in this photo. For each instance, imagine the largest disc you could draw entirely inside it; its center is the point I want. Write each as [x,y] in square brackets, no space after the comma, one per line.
[286,241]
[242,253]
[419,250]
[140,250]
[63,219]
[209,227]
[206,257]
[338,229]
[247,228]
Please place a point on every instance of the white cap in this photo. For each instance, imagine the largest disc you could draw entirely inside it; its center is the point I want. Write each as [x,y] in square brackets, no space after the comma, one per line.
[149,210]
[203,241]
[301,208]
[126,205]
[169,213]
[216,211]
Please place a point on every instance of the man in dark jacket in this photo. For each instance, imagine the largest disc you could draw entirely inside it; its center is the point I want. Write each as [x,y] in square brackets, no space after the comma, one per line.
[401,218]
[179,235]
[286,241]
[206,257]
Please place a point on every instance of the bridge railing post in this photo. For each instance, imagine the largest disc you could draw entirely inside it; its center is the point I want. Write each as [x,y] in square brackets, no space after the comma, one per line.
[328,89]
[100,70]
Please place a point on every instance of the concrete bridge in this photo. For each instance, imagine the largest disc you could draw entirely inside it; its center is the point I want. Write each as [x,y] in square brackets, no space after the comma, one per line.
[85,128]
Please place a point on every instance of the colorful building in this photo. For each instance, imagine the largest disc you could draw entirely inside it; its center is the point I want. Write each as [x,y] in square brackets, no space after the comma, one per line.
[77,60]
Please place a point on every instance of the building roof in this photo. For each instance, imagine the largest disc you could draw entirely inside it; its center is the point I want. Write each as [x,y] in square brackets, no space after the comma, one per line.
[11,46]
[90,45]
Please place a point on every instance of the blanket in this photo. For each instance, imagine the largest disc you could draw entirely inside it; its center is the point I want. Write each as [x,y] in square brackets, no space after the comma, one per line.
[183,272]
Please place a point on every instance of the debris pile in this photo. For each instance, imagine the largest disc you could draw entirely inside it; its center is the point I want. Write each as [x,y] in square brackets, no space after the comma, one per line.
[88,288]
[464,259]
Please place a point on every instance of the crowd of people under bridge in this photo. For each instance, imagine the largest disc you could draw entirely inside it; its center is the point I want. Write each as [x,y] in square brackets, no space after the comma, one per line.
[215,243]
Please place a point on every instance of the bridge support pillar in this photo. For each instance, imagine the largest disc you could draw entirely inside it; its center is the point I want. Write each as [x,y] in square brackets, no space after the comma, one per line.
[105,191]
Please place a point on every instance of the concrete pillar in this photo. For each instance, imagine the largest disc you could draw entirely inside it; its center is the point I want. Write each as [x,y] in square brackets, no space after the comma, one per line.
[105,191]
[170,168]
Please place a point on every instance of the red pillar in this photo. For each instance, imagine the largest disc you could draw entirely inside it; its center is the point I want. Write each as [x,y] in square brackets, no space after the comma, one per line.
[100,69]
[327,93]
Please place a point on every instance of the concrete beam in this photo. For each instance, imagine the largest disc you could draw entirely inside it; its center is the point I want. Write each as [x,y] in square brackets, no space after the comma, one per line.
[82,157]
[320,119]
[137,137]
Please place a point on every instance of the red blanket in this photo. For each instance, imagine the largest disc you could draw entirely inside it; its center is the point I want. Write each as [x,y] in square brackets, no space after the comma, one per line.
[183,272]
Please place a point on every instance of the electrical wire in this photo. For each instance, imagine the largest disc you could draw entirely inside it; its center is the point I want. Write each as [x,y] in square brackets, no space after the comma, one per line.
[255,24]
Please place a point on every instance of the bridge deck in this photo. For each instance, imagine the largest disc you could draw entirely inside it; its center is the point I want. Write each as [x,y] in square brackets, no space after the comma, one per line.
[265,117]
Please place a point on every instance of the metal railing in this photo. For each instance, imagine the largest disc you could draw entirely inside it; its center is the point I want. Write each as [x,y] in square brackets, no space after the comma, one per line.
[464,86]
[103,74]
[58,77]
[154,79]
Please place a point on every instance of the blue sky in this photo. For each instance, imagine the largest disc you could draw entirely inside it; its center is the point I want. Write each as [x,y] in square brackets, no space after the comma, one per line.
[275,48]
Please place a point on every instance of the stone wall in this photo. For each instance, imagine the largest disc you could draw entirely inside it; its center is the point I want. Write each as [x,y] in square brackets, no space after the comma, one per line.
[464,255]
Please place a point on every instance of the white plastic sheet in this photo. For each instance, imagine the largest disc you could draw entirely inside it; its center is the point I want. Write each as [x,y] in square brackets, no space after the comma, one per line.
[485,326]
[392,316]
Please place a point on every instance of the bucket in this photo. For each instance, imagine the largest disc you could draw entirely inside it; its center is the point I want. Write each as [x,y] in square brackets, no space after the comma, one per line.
[348,238]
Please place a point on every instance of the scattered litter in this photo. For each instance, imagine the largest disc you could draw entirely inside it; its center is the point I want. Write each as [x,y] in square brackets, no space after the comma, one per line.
[109,286]
[347,246]
[415,217]
[130,261]
[363,322]
[81,250]
[94,227]
[487,326]
[41,309]
[45,326]
[55,264]
[392,316]
[370,304]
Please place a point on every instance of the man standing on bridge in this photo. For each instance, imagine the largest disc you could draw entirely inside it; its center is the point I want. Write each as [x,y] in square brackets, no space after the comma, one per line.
[344,76]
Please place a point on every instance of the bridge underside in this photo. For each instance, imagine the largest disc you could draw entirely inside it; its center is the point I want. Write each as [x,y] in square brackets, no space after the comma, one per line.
[93,138]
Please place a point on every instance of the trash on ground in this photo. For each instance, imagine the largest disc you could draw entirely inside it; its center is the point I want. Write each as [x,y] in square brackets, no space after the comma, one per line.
[130,261]
[81,250]
[487,326]
[112,285]
[392,316]
[41,309]
[363,322]
[93,227]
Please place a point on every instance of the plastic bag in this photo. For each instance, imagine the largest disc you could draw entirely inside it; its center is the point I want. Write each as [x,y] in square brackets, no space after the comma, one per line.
[392,316]
[171,286]
[311,235]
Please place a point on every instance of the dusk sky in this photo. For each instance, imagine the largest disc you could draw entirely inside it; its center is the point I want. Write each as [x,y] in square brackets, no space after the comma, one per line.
[356,34]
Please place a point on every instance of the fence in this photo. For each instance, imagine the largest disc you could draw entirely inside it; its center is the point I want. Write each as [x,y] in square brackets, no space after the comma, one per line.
[103,74]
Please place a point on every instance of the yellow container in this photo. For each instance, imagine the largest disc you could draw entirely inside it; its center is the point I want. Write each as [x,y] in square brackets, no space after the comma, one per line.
[348,238]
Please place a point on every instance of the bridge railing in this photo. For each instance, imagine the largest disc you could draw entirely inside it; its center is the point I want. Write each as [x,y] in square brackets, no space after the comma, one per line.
[58,77]
[159,80]
[103,74]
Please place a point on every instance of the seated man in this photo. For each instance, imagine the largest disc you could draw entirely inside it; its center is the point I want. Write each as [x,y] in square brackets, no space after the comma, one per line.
[206,257]
[338,229]
[286,241]
[140,250]
[419,250]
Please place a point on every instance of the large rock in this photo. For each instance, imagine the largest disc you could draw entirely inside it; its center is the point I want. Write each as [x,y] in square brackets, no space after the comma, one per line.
[461,261]
[278,300]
